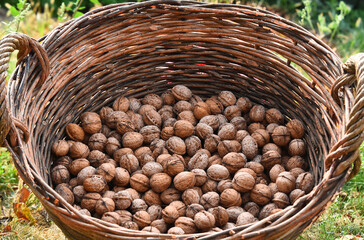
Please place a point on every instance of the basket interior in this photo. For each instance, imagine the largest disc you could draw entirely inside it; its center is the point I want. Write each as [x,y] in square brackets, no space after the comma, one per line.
[123,50]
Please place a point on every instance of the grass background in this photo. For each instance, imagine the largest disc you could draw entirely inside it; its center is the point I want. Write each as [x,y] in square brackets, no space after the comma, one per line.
[337,23]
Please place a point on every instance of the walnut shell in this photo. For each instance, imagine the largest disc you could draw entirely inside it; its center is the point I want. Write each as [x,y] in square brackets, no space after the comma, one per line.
[60,174]
[138,205]
[169,195]
[150,132]
[232,111]
[181,92]
[130,225]
[297,147]
[281,136]
[180,206]
[60,148]
[154,100]
[129,162]
[266,210]
[275,171]
[155,212]
[198,161]
[234,213]
[296,128]
[200,110]
[234,161]
[261,194]
[159,182]
[281,200]
[296,194]
[104,205]
[245,218]
[111,217]
[122,200]
[295,162]
[89,201]
[183,128]
[273,115]
[214,105]
[210,200]
[91,122]
[174,165]
[75,132]
[252,208]
[132,140]
[122,177]
[176,145]
[168,98]
[257,113]
[107,170]
[151,168]
[204,220]
[142,218]
[193,144]
[176,231]
[190,196]
[94,183]
[170,214]
[66,193]
[243,182]
[227,98]
[184,180]
[249,147]
[261,137]
[305,182]
[187,224]
[152,198]
[200,176]
[79,150]
[139,182]
[285,182]
[230,197]
[270,158]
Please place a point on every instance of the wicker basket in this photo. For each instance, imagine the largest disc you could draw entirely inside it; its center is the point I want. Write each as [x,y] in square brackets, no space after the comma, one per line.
[134,49]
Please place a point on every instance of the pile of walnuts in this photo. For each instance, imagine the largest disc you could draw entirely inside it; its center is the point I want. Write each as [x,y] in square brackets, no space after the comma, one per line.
[178,164]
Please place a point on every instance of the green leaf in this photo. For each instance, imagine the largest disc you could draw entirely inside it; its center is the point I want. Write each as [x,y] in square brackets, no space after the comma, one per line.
[78,14]
[95,2]
[13,11]
[81,8]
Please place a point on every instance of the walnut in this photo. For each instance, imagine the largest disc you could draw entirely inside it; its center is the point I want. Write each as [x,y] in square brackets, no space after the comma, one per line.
[150,132]
[151,168]
[150,229]
[181,92]
[270,128]
[227,132]
[245,218]
[222,119]
[203,130]
[195,99]
[170,214]
[234,161]
[132,140]
[232,112]
[296,172]
[184,115]
[135,104]
[122,200]
[89,201]
[200,110]
[129,162]
[124,215]
[65,161]
[247,170]
[97,141]
[138,205]
[297,147]
[211,143]
[230,197]
[199,161]
[281,200]
[257,113]
[130,225]
[96,158]
[145,108]
[65,192]
[229,225]
[121,104]
[281,136]
[133,193]
[270,147]
[200,176]
[296,194]
[104,205]
[215,159]
[166,112]
[261,137]
[243,182]
[182,106]
[169,195]
[111,217]
[270,158]
[210,200]
[155,212]
[176,231]
[218,172]
[168,98]
[224,184]
[211,120]
[152,117]
[255,126]
[75,132]
[228,146]
[174,165]
[108,194]
[85,173]
[192,209]
[142,218]
[60,148]
[184,180]
[296,128]
[193,144]
[273,115]
[266,210]
[234,213]
[176,145]
[180,206]
[154,100]
[122,177]
[275,171]
[187,224]
[244,104]
[91,122]
[204,220]
[261,194]
[159,182]
[79,150]
[190,196]
[112,144]
[60,174]
[252,208]
[94,183]
[295,162]
[249,147]
[209,186]
[227,98]
[214,105]
[220,214]
[305,182]
[285,182]
[139,182]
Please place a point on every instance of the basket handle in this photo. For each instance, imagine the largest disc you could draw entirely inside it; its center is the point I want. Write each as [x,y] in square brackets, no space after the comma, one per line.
[25,44]
[353,136]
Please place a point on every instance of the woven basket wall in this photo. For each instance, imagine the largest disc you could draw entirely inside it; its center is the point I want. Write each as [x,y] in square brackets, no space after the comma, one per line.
[134,49]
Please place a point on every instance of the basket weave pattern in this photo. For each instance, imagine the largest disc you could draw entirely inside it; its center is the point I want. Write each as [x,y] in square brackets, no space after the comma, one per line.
[134,49]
